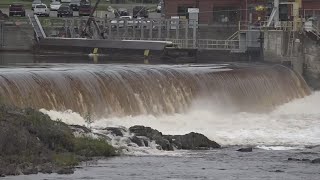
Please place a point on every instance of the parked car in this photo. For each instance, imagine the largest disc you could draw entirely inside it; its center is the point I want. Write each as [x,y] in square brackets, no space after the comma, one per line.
[121,22]
[17,9]
[121,12]
[85,10]
[159,7]
[41,10]
[65,1]
[74,5]
[140,11]
[55,5]
[85,2]
[34,3]
[65,11]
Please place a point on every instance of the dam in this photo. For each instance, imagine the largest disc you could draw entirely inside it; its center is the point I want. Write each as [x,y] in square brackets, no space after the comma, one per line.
[249,87]
[113,90]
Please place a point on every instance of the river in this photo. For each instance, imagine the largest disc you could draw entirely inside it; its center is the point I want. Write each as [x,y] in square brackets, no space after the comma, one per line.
[266,107]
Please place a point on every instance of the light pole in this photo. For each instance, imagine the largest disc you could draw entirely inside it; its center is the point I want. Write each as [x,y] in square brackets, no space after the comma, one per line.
[246,12]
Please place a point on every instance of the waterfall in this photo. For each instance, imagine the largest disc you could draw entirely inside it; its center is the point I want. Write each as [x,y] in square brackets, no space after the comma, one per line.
[122,90]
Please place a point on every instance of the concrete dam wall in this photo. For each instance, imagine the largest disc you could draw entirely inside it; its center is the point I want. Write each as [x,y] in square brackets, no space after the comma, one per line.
[16,36]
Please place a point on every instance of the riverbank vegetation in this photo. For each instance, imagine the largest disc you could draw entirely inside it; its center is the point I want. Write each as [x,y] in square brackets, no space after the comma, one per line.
[30,142]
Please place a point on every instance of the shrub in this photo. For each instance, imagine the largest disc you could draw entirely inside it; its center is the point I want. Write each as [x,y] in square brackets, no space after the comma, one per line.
[65,159]
[56,135]
[85,146]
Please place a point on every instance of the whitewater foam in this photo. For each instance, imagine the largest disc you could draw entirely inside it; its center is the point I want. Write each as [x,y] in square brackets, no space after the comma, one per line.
[293,124]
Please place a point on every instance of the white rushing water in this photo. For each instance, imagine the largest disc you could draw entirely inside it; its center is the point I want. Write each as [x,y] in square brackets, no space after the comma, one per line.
[293,124]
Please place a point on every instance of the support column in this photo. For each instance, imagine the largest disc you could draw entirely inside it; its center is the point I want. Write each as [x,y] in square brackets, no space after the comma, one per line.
[276,16]
[194,34]
[159,29]
[150,29]
[187,33]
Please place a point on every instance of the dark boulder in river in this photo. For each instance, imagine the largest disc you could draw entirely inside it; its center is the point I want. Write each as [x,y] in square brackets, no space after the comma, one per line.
[191,141]
[316,161]
[248,149]
[153,135]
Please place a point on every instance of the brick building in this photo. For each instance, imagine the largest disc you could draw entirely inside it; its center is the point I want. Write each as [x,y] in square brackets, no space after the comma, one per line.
[226,11]
[311,4]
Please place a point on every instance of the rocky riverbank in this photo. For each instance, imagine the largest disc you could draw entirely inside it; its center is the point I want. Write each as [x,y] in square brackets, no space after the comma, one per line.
[191,141]
[30,142]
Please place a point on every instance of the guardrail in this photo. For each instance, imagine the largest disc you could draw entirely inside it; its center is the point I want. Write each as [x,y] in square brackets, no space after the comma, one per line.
[206,44]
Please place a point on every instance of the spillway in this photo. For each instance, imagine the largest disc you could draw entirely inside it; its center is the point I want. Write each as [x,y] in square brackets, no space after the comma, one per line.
[122,90]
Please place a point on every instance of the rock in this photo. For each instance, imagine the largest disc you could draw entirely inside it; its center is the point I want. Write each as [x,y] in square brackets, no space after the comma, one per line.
[11,170]
[293,159]
[167,142]
[152,134]
[78,128]
[136,140]
[316,161]
[115,131]
[46,168]
[278,171]
[145,131]
[30,170]
[192,141]
[66,170]
[27,168]
[146,141]
[249,149]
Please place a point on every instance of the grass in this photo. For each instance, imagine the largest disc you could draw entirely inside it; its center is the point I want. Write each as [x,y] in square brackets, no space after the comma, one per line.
[88,147]
[65,159]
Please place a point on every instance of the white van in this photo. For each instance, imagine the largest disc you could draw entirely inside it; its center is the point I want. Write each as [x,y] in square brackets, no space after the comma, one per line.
[41,10]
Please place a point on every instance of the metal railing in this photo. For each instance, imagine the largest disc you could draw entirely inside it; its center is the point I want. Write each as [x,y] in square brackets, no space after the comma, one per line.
[184,43]
[206,44]
[211,44]
[37,27]
[1,34]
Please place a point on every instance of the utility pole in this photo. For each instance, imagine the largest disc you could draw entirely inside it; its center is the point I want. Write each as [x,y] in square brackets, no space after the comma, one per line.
[246,11]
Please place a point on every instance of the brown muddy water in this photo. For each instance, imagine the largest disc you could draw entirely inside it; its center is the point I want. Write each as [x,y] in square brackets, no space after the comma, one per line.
[238,105]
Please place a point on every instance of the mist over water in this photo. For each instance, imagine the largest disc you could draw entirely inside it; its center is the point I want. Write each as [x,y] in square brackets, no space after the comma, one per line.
[296,123]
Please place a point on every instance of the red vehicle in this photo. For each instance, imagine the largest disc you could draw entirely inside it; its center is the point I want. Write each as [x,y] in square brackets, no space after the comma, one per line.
[17,9]
[85,10]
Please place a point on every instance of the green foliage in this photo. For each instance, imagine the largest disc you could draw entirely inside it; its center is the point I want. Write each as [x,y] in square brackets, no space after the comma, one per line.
[56,135]
[65,159]
[89,147]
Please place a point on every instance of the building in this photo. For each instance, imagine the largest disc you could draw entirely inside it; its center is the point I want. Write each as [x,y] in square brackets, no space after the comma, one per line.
[228,11]
[311,4]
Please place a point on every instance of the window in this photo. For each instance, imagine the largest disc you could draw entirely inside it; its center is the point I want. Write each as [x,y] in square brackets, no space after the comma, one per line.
[225,15]
[183,10]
